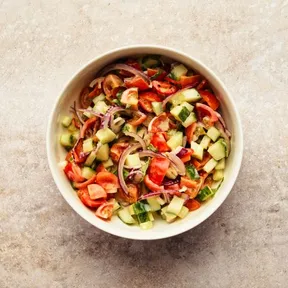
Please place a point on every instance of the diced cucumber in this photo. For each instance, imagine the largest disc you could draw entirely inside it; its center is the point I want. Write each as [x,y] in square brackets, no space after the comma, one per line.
[210,165]
[67,140]
[183,212]
[72,128]
[150,215]
[178,71]
[125,216]
[205,142]
[154,204]
[129,128]
[108,163]
[90,159]
[76,135]
[147,225]
[205,193]
[218,175]
[142,131]
[160,200]
[192,172]
[177,99]
[88,114]
[218,150]
[180,113]
[66,121]
[171,132]
[197,150]
[137,208]
[175,140]
[175,205]
[105,135]
[144,166]
[188,106]
[103,153]
[157,107]
[131,99]
[189,120]
[88,145]
[133,160]
[150,61]
[216,185]
[169,217]
[213,133]
[191,95]
[221,164]
[171,173]
[98,98]
[101,107]
[143,217]
[87,172]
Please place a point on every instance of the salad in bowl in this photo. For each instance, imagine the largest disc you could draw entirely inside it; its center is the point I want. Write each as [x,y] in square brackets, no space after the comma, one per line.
[145,142]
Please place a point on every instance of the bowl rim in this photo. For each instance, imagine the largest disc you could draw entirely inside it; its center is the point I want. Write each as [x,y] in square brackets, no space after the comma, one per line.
[183,228]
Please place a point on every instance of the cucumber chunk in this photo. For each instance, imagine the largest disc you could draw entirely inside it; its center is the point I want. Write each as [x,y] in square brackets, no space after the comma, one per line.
[88,145]
[175,205]
[125,216]
[178,71]
[157,107]
[66,121]
[101,107]
[67,140]
[213,133]
[98,98]
[87,172]
[188,106]
[218,175]
[183,212]
[147,225]
[205,142]
[205,194]
[90,159]
[129,128]
[221,164]
[197,150]
[108,163]
[103,153]
[133,160]
[160,200]
[175,140]
[154,204]
[218,150]
[210,165]
[189,120]
[191,95]
[105,135]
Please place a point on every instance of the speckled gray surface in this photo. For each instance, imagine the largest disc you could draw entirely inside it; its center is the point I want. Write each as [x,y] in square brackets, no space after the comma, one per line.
[43,243]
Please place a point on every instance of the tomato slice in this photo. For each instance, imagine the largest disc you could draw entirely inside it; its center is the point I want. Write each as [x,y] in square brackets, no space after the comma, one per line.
[111,81]
[185,181]
[134,63]
[190,80]
[150,96]
[96,191]
[156,74]
[200,164]
[73,172]
[108,181]
[136,81]
[116,150]
[77,152]
[132,196]
[130,96]
[202,85]
[158,141]
[206,112]
[151,185]
[87,201]
[159,124]
[85,184]
[210,99]
[192,204]
[138,119]
[189,131]
[146,105]
[101,168]
[157,169]
[105,211]
[164,88]
[90,122]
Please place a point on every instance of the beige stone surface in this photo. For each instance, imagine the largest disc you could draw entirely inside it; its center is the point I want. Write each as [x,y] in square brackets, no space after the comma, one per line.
[43,243]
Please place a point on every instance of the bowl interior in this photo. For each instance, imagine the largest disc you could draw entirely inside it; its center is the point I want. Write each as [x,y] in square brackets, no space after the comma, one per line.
[161,229]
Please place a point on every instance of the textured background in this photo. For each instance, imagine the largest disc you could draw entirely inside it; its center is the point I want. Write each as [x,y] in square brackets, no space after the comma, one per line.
[43,243]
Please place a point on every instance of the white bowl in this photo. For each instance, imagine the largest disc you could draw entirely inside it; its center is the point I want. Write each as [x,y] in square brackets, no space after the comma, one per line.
[161,229]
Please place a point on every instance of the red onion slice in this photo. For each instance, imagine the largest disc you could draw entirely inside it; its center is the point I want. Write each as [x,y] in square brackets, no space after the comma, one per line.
[121,165]
[127,68]
[100,115]
[153,194]
[136,176]
[182,152]
[97,81]
[178,164]
[137,138]
[148,153]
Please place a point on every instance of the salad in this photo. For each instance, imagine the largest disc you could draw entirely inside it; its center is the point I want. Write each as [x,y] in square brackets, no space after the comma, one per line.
[145,141]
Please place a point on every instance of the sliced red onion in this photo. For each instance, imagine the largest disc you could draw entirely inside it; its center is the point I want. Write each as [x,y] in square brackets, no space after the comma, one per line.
[109,115]
[98,146]
[100,115]
[182,152]
[178,164]
[97,81]
[116,124]
[75,111]
[163,126]
[172,95]
[137,138]
[105,121]
[136,176]
[148,153]
[153,194]
[122,159]
[184,142]
[169,182]
[127,68]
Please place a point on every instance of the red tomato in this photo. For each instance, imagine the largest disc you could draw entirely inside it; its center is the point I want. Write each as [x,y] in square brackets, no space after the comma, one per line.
[136,81]
[77,152]
[129,94]
[157,169]
[164,88]
[110,82]
[185,181]
[108,181]
[156,74]
[158,141]
[199,164]
[159,124]
[134,63]
[85,184]
[192,204]
[90,122]
[76,123]
[117,149]
[192,192]
[105,211]
[146,105]
[210,99]
[96,191]
[139,119]
[87,201]
[189,131]
[203,84]
[101,168]
[146,98]
[190,80]
[205,111]
[68,156]
[73,172]
[132,196]
[151,185]
[85,99]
